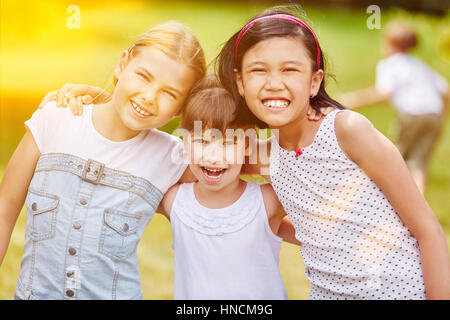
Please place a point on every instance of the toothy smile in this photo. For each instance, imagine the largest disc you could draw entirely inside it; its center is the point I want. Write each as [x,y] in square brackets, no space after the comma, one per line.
[213,175]
[142,112]
[277,104]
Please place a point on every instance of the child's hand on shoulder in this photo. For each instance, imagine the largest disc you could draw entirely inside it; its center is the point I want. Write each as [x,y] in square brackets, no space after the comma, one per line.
[75,96]
[314,115]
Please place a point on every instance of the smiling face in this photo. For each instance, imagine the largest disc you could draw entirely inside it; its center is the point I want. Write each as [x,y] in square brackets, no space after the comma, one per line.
[151,88]
[216,159]
[276,80]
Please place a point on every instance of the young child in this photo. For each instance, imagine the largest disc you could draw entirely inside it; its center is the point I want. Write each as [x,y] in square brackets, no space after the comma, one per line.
[89,195]
[224,229]
[366,230]
[417,92]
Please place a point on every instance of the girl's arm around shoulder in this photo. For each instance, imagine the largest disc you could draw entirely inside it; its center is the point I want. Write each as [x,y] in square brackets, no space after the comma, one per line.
[382,162]
[278,221]
[286,231]
[165,207]
[76,96]
[14,186]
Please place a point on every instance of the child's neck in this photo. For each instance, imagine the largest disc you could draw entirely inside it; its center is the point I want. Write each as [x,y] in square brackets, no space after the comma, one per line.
[217,199]
[393,51]
[298,134]
[108,123]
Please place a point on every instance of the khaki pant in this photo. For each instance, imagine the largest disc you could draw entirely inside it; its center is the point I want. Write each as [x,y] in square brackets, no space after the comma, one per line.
[416,138]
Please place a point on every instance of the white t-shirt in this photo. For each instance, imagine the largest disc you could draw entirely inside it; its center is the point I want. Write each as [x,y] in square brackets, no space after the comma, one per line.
[152,154]
[415,87]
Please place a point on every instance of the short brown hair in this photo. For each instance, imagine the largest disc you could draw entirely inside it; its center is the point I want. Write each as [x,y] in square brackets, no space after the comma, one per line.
[401,35]
[211,104]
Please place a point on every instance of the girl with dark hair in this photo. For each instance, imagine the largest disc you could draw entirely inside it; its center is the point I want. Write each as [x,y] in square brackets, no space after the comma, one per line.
[229,61]
[366,230]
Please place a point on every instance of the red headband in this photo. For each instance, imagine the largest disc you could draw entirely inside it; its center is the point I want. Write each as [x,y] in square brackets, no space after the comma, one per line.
[279,16]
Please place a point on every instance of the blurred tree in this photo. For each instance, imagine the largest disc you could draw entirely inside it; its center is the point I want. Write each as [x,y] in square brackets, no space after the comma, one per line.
[437,7]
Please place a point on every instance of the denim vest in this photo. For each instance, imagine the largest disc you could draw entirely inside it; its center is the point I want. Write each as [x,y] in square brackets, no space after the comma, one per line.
[84,222]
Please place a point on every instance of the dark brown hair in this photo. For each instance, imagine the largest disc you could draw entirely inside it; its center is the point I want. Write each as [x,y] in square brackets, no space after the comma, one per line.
[225,63]
[211,104]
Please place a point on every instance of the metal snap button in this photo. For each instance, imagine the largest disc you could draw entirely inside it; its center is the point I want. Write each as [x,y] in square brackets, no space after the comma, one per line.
[126,227]
[69,293]
[70,274]
[83,201]
[34,206]
[76,225]
[72,251]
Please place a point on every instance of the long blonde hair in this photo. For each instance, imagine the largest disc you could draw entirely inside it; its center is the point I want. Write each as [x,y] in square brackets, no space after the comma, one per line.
[176,41]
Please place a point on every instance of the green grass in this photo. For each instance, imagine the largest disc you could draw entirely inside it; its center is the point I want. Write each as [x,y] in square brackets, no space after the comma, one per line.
[88,56]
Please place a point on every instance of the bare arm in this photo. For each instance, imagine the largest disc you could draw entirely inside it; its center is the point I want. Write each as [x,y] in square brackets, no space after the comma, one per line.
[382,162]
[362,97]
[278,221]
[287,231]
[165,207]
[14,186]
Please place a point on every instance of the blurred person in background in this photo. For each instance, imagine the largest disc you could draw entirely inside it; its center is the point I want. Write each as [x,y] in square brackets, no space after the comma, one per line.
[418,93]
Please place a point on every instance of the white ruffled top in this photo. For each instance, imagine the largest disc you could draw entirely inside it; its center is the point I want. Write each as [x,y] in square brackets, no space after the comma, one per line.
[227,253]
[217,222]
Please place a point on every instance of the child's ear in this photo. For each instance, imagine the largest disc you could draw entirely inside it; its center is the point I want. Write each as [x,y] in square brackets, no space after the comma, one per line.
[120,66]
[239,83]
[316,81]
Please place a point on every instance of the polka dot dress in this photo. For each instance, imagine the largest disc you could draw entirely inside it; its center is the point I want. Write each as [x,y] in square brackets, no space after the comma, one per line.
[354,245]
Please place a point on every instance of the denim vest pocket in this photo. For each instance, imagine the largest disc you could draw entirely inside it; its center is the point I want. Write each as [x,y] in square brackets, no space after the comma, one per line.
[23,294]
[119,238]
[42,209]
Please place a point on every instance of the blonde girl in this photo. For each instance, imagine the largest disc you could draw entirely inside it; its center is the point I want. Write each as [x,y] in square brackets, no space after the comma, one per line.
[92,183]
